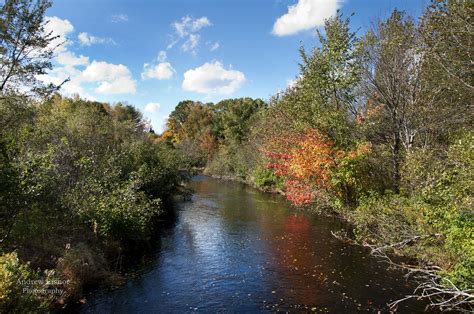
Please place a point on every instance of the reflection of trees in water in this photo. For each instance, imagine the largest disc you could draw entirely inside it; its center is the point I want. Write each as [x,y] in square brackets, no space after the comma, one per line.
[188,236]
[300,266]
[299,259]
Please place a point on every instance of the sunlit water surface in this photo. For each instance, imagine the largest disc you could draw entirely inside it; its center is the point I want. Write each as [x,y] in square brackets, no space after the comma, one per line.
[235,249]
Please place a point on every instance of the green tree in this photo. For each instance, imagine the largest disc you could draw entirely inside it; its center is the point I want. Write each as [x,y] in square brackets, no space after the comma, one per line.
[25,47]
[447,29]
[325,94]
[394,84]
[177,118]
[234,118]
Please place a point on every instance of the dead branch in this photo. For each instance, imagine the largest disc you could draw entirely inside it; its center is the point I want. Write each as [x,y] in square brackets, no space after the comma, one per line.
[441,292]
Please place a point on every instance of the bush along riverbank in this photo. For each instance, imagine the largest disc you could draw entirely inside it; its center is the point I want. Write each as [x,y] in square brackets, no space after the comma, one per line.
[83,184]
[377,128]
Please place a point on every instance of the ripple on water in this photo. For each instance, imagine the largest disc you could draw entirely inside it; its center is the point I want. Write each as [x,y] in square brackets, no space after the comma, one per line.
[233,248]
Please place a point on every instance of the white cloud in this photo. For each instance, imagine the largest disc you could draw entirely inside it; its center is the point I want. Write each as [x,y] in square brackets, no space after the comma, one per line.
[189,25]
[191,43]
[214,46]
[160,71]
[117,18]
[120,85]
[59,74]
[152,107]
[112,78]
[304,15]
[186,30]
[98,71]
[200,23]
[88,39]
[213,78]
[68,58]
[60,28]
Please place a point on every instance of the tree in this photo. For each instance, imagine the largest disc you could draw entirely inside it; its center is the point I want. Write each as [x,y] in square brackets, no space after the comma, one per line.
[177,118]
[127,113]
[394,84]
[309,164]
[447,29]
[190,128]
[25,47]
[233,118]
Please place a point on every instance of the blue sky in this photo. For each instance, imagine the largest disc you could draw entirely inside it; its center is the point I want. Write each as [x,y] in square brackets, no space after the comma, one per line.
[152,54]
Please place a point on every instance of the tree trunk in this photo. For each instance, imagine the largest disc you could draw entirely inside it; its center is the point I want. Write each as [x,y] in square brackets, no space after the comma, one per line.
[396,161]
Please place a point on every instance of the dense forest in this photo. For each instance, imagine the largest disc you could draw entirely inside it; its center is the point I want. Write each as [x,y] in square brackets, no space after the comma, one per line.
[377,129]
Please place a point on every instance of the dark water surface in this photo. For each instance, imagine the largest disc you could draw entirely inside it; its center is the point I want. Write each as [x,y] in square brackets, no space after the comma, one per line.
[235,249]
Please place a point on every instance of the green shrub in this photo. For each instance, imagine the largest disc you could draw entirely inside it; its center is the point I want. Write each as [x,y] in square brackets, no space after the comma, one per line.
[236,160]
[80,174]
[115,209]
[387,219]
[450,196]
[265,178]
[437,200]
[15,277]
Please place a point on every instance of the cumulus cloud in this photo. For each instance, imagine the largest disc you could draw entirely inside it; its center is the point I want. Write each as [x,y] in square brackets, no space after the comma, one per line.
[58,28]
[109,78]
[88,39]
[304,15]
[160,71]
[59,74]
[152,107]
[67,61]
[186,31]
[120,85]
[112,78]
[213,78]
[118,18]
[68,58]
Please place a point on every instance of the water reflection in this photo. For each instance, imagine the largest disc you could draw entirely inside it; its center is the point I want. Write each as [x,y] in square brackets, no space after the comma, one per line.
[236,249]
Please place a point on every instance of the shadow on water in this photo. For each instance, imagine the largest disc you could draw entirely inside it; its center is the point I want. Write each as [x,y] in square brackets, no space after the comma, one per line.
[232,248]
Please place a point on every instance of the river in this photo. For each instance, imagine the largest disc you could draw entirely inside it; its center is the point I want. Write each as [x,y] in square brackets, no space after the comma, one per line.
[235,249]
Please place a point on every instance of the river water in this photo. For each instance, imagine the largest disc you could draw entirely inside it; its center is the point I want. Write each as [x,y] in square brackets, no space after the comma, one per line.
[235,249]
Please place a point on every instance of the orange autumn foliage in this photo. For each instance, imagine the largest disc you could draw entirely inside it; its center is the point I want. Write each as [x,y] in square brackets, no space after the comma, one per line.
[312,158]
[306,162]
[309,162]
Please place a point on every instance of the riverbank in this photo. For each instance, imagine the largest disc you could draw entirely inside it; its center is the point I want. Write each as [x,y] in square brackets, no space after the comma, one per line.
[83,185]
[417,255]
[87,263]
[369,132]
[236,249]
[249,182]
